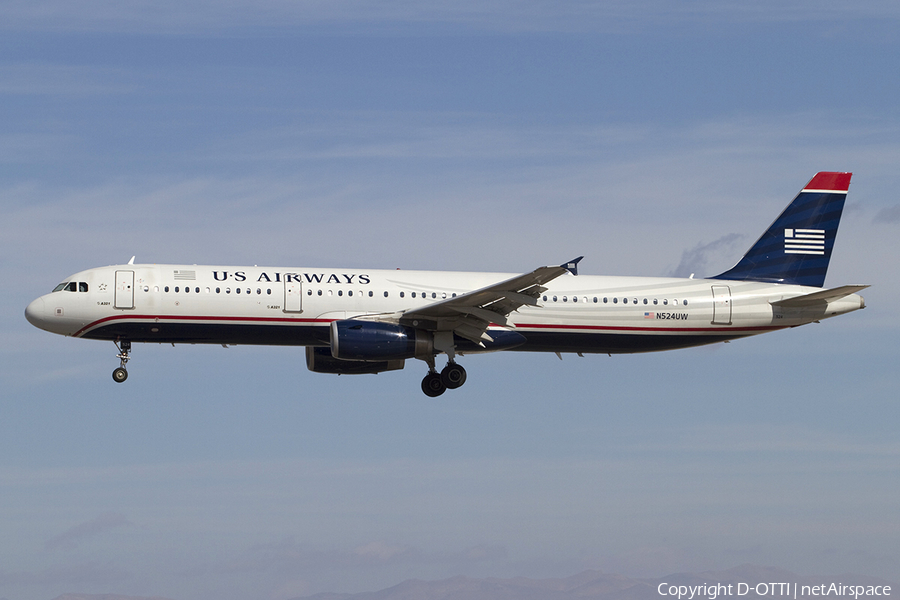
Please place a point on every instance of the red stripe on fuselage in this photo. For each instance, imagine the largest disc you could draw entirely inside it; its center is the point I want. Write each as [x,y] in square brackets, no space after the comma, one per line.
[155,318]
[661,329]
[523,327]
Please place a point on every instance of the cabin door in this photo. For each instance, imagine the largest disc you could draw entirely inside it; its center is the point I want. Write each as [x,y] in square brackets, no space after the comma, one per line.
[721,305]
[124,289]
[292,296]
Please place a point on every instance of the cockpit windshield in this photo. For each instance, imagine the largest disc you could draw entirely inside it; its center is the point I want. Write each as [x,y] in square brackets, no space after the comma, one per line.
[71,286]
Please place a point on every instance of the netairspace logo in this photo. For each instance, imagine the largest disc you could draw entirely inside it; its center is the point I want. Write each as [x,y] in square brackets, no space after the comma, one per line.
[791,590]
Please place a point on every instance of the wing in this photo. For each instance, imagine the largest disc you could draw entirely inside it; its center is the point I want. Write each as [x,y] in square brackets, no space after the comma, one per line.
[469,315]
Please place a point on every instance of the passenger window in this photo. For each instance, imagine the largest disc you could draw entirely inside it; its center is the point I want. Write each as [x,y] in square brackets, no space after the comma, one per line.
[595,299]
[655,301]
[166,289]
[218,290]
[665,301]
[385,294]
[565,299]
[319,292]
[433,295]
[258,291]
[197,289]
[227,290]
[401,294]
[645,301]
[615,300]
[545,298]
[340,292]
[685,302]
[177,289]
[236,290]
[371,293]
[554,298]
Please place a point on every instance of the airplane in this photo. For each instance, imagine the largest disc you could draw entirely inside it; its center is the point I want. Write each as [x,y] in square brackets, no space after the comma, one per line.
[359,321]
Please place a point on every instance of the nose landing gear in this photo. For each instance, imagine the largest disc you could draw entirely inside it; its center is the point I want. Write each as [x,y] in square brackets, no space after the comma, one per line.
[124,347]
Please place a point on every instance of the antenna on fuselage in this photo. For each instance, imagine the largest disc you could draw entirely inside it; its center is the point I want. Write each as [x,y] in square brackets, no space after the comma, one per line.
[131,262]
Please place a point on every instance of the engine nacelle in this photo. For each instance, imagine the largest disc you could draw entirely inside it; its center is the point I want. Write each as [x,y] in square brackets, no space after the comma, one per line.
[320,360]
[370,340]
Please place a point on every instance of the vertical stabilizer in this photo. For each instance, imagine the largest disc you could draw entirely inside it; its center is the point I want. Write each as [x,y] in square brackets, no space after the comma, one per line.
[797,247]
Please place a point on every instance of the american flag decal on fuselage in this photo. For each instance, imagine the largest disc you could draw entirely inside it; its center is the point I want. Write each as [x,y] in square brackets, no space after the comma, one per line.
[804,241]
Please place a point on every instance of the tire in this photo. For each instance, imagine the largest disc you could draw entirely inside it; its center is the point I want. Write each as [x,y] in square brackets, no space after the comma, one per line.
[433,385]
[453,376]
[120,375]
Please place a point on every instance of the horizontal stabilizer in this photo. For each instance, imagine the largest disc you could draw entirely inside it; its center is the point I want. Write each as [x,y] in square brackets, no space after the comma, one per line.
[819,297]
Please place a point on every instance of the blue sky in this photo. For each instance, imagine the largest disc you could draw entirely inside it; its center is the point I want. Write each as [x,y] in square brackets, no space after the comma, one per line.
[655,139]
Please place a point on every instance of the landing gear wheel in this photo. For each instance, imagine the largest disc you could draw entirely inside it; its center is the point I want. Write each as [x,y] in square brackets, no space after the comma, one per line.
[433,385]
[453,376]
[124,348]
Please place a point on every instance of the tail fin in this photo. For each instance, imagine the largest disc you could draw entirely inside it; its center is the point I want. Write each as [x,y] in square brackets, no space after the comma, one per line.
[797,246]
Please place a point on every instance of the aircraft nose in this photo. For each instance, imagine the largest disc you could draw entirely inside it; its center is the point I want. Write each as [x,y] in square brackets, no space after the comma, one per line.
[35,313]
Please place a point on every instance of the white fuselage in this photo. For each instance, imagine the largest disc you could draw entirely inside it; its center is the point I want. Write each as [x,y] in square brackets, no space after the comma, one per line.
[295,306]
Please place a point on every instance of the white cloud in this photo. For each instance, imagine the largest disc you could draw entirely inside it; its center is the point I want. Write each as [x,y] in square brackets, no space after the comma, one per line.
[73,536]
[607,16]
[37,78]
[84,574]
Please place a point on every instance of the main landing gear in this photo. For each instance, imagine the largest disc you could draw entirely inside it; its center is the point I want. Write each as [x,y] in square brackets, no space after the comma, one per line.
[450,378]
[124,348]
